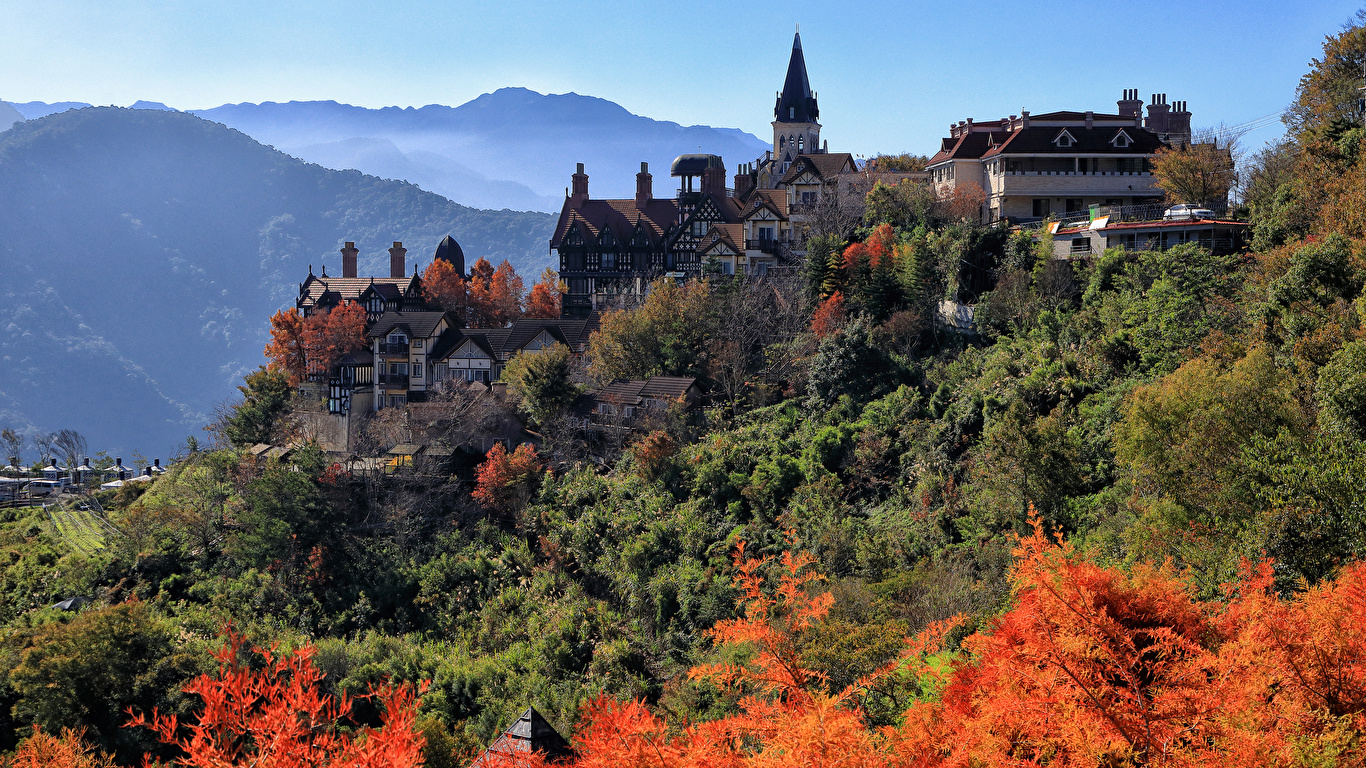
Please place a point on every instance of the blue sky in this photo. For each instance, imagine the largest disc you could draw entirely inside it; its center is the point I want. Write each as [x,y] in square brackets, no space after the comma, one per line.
[891,76]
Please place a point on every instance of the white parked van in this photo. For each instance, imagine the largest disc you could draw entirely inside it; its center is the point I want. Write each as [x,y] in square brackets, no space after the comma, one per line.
[37,488]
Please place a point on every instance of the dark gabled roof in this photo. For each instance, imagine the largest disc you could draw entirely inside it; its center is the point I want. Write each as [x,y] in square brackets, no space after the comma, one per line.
[497,342]
[667,387]
[1088,141]
[796,100]
[620,216]
[418,325]
[315,291]
[968,146]
[773,199]
[530,733]
[825,165]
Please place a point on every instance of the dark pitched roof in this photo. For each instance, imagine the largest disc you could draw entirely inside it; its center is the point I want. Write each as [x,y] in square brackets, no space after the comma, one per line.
[1098,140]
[667,387]
[315,291]
[796,104]
[621,216]
[825,165]
[497,342]
[531,733]
[968,146]
[418,325]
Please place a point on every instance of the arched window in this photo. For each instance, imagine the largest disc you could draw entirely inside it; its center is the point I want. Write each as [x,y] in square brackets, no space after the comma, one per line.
[782,142]
[801,143]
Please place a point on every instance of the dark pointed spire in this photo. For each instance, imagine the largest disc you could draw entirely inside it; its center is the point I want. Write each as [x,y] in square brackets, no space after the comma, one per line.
[796,104]
[450,251]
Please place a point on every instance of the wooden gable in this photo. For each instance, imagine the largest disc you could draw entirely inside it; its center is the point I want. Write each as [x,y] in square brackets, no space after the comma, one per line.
[468,350]
[540,341]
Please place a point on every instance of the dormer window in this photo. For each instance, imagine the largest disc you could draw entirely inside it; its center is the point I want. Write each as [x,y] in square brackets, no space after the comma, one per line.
[1121,139]
[1064,139]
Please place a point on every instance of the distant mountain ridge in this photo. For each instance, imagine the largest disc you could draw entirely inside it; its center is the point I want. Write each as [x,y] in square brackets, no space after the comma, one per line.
[510,148]
[143,251]
[513,148]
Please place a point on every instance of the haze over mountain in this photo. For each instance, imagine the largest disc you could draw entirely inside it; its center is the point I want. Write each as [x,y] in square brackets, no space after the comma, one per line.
[511,148]
[142,253]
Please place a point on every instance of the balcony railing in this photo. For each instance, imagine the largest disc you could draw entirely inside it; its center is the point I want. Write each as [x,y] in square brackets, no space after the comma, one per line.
[386,348]
[394,379]
[768,245]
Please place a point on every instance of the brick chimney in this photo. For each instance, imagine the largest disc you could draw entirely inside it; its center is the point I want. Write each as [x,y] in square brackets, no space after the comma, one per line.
[645,187]
[1130,105]
[1090,119]
[349,254]
[397,254]
[580,189]
[1158,114]
[714,179]
[1179,123]
[744,180]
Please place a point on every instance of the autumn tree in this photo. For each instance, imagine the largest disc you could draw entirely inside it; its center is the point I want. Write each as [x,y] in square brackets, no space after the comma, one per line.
[1199,173]
[267,708]
[286,351]
[70,749]
[444,288]
[961,203]
[544,300]
[495,295]
[331,335]
[829,316]
[665,336]
[904,204]
[505,481]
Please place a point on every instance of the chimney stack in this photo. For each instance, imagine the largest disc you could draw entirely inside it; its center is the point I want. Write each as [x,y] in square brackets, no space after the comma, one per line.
[1131,105]
[1158,115]
[349,254]
[580,189]
[1179,123]
[1024,118]
[644,186]
[397,266]
[714,179]
[1090,119]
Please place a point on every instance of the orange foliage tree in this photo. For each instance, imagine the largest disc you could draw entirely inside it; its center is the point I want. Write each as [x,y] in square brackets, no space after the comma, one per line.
[829,316]
[445,288]
[274,715]
[505,481]
[544,299]
[69,750]
[1091,667]
[286,349]
[329,336]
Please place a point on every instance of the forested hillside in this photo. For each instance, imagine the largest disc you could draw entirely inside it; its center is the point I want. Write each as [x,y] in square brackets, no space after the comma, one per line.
[143,251]
[1121,525]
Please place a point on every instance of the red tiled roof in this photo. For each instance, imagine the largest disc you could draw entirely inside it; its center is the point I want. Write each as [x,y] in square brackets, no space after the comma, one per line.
[825,165]
[314,289]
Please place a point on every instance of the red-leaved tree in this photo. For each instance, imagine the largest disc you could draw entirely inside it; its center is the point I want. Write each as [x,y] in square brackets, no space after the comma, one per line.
[286,349]
[544,300]
[275,715]
[505,481]
[329,336]
[445,288]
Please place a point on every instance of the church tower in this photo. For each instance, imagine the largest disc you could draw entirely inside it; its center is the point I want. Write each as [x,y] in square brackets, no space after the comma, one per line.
[795,130]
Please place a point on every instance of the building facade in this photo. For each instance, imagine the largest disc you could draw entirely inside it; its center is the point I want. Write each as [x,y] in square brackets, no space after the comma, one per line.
[1026,167]
[614,248]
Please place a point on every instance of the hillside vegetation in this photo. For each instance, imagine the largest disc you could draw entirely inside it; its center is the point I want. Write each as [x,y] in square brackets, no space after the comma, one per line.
[1121,526]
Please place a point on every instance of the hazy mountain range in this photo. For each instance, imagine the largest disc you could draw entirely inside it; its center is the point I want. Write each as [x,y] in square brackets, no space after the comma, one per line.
[144,249]
[513,148]
[142,253]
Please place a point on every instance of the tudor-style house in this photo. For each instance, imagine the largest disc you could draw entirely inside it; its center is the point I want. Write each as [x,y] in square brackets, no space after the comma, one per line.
[612,247]
[1030,166]
[479,355]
